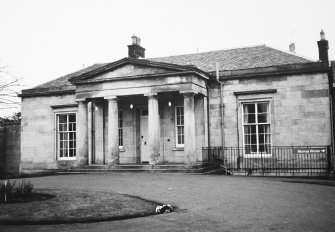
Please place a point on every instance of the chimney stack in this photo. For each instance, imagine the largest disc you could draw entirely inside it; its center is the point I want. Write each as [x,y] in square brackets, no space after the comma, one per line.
[135,50]
[292,47]
[323,47]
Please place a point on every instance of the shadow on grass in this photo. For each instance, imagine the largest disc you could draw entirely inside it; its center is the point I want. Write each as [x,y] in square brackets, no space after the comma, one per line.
[76,207]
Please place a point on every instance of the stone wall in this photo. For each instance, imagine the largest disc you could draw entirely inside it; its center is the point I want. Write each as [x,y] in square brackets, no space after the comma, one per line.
[38,131]
[299,107]
[10,143]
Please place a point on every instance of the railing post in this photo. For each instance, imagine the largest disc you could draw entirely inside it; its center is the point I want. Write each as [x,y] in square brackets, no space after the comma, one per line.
[329,161]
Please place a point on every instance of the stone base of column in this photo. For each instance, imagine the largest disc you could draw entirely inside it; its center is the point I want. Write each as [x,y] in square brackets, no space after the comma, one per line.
[113,162]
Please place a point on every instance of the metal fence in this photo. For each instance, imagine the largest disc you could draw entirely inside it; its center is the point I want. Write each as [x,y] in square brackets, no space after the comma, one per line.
[275,161]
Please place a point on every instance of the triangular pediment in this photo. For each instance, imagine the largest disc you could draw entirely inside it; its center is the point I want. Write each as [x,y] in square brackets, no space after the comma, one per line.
[130,68]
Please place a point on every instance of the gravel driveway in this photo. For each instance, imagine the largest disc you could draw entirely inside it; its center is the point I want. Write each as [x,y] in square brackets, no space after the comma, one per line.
[205,202]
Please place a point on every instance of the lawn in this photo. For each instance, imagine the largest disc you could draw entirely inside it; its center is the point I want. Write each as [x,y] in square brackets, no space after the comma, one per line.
[70,206]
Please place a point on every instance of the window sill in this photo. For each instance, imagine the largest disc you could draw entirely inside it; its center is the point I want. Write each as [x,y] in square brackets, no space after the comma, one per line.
[121,149]
[257,156]
[66,159]
[177,149]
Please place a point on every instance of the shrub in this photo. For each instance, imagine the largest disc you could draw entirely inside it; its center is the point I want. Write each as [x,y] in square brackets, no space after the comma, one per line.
[15,192]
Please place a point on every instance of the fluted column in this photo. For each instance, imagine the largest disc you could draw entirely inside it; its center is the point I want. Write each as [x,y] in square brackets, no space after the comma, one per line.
[82,134]
[153,128]
[189,128]
[112,157]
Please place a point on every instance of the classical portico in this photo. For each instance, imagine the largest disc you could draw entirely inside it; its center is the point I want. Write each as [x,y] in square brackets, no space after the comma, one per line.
[133,106]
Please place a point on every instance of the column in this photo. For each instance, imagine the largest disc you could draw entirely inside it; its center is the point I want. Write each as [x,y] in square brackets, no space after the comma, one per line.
[82,134]
[153,128]
[112,157]
[99,132]
[189,129]
[90,142]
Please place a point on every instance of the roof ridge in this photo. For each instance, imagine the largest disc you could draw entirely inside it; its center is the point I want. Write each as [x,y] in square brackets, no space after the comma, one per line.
[220,50]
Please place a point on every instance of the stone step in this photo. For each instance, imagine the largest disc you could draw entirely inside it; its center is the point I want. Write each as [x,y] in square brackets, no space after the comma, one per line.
[160,170]
[136,167]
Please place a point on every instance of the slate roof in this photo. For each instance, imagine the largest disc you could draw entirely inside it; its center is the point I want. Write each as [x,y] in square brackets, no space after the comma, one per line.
[231,59]
[64,80]
[238,58]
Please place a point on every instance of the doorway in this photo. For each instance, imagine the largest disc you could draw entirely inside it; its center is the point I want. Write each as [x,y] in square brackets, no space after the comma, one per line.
[145,151]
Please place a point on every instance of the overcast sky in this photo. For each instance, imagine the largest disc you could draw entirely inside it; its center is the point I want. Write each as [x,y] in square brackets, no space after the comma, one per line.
[41,40]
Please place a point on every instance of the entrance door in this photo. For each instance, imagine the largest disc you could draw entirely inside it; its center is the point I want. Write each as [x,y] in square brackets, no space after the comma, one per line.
[145,152]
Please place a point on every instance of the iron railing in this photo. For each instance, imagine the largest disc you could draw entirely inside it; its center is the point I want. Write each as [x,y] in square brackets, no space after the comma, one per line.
[275,160]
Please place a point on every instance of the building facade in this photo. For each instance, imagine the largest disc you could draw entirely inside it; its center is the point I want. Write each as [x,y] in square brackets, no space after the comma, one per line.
[166,110]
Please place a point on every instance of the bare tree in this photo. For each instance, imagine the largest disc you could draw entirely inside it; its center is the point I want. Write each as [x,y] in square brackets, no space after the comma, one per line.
[9,87]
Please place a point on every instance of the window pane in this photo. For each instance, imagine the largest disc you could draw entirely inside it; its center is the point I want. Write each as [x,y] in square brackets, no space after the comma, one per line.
[71,144]
[249,108]
[62,127]
[253,129]
[261,129]
[71,152]
[65,153]
[72,118]
[253,148]
[62,118]
[262,118]
[261,148]
[261,138]
[262,107]
[253,138]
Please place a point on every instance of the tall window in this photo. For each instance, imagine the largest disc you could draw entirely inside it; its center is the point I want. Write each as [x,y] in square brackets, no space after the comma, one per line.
[120,130]
[66,136]
[180,126]
[256,128]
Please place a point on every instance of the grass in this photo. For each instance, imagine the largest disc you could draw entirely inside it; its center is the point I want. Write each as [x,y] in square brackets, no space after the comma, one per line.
[15,191]
[76,206]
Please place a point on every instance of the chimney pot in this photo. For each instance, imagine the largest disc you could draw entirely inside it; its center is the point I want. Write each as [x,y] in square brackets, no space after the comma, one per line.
[133,39]
[322,35]
[292,47]
[135,50]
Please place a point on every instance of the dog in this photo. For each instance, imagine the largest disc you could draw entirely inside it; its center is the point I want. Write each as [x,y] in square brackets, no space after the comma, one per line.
[164,209]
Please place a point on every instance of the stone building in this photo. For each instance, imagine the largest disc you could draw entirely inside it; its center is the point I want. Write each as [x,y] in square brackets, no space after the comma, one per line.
[166,110]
